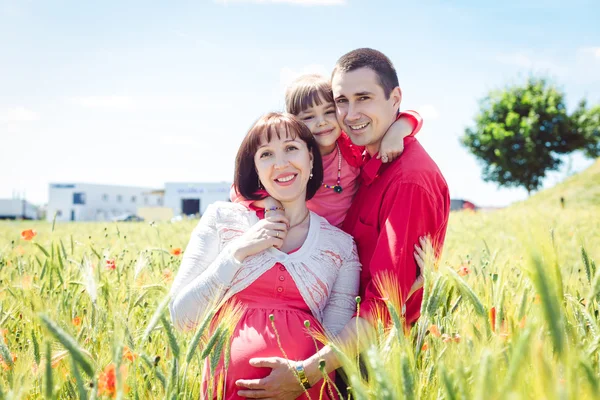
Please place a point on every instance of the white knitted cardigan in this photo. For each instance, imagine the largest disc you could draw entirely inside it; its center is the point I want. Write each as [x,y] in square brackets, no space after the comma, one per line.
[325,269]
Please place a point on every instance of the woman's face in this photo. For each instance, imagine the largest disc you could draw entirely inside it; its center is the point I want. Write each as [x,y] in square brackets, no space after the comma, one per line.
[284,166]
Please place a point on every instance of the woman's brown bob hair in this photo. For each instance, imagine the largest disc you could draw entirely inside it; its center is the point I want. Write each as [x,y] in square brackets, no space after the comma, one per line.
[246,178]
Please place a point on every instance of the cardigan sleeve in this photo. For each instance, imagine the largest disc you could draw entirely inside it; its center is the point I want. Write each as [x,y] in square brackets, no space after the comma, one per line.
[205,274]
[342,300]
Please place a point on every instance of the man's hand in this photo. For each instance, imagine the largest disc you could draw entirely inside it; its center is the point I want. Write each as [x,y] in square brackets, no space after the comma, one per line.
[281,384]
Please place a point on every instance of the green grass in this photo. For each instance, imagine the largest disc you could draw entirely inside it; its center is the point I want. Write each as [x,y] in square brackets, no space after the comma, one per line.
[526,266]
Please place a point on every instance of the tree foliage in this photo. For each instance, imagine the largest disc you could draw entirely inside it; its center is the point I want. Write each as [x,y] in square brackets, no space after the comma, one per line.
[521,132]
[586,122]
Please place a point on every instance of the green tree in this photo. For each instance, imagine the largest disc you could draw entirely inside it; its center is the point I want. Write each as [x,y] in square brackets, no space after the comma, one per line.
[587,124]
[521,132]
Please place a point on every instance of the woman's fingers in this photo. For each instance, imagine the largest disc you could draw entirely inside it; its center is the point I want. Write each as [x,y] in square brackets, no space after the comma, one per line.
[276,226]
[278,234]
[278,218]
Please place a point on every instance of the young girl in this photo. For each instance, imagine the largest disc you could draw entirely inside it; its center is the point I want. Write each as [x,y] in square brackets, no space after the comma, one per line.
[310,98]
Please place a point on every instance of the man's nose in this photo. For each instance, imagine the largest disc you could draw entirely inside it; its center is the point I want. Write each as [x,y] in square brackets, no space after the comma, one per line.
[352,113]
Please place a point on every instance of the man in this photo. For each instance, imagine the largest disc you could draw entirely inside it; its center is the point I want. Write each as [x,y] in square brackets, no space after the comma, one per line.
[396,204]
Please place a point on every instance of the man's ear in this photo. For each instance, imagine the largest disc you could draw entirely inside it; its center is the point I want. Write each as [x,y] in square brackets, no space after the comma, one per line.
[396,96]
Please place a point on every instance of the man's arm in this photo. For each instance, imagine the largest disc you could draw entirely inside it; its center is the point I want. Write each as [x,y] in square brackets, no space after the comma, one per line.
[408,211]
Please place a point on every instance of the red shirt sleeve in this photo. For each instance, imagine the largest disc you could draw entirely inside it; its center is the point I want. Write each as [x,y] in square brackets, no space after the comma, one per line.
[415,118]
[407,213]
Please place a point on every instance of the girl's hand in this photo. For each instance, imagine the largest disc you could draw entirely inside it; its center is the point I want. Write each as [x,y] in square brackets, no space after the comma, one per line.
[270,203]
[392,144]
[268,232]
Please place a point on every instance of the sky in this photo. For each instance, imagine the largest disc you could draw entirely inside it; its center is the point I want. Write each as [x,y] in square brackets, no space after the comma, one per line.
[141,93]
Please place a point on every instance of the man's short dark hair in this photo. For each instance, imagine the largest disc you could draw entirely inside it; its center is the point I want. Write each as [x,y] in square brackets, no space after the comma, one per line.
[245,178]
[373,59]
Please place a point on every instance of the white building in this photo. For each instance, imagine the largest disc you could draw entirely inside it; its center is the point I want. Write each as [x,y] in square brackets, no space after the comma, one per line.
[92,202]
[193,198]
[16,208]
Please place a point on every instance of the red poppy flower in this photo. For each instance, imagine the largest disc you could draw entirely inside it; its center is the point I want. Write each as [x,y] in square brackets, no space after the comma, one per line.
[110,264]
[107,380]
[28,234]
[176,251]
[464,270]
[128,354]
[493,318]
[434,330]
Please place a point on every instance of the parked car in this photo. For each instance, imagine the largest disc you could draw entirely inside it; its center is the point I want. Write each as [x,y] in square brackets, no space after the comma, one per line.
[128,218]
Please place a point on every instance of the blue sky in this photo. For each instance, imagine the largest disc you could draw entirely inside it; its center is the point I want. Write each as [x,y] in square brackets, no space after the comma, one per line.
[140,93]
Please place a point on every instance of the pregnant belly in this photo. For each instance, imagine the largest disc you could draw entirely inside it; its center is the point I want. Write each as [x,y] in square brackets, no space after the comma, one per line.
[254,337]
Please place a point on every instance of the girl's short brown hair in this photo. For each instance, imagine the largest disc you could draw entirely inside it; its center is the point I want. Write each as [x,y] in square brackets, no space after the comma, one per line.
[307,91]
[245,176]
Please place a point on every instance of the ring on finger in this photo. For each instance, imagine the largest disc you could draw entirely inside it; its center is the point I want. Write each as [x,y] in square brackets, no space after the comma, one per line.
[277,234]
[384,158]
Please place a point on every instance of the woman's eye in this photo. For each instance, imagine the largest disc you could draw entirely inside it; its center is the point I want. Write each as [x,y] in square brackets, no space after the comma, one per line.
[290,148]
[308,117]
[340,101]
[265,154]
[330,112]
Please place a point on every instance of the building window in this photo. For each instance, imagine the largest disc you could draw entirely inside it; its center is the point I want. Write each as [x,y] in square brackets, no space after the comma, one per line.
[104,197]
[119,198]
[58,213]
[78,198]
[133,199]
[159,201]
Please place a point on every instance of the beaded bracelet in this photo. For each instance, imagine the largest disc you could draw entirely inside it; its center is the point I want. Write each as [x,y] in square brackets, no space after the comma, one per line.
[274,209]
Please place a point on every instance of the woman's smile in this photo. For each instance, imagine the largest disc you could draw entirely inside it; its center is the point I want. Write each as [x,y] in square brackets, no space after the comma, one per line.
[286,179]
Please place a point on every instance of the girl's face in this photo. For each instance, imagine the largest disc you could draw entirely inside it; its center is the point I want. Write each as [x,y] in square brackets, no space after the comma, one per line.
[322,122]
[284,166]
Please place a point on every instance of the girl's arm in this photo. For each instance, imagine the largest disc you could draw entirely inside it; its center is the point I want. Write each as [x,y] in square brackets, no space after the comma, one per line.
[408,123]
[260,206]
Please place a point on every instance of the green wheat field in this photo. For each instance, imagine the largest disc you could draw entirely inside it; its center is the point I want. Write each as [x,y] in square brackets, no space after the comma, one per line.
[511,310]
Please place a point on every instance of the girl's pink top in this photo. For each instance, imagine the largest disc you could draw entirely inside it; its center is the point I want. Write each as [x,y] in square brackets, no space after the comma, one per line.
[326,202]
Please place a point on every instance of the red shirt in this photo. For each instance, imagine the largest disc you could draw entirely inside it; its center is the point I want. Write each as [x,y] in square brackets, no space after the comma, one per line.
[395,205]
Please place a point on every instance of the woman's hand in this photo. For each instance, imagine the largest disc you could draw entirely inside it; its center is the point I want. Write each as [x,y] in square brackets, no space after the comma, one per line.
[268,232]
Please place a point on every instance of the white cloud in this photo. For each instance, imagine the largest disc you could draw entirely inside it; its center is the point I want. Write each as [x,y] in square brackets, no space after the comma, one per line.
[287,74]
[142,103]
[295,2]
[428,112]
[18,114]
[111,102]
[591,51]
[528,60]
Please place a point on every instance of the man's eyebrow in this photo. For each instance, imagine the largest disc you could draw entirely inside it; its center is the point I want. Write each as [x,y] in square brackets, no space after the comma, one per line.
[365,93]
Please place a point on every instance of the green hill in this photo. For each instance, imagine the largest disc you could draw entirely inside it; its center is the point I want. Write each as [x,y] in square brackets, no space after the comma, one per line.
[580,190]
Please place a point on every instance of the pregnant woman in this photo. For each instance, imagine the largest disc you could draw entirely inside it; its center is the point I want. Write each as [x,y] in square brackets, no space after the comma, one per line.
[294,266]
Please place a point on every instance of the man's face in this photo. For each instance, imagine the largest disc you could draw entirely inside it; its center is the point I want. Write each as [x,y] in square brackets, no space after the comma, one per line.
[362,109]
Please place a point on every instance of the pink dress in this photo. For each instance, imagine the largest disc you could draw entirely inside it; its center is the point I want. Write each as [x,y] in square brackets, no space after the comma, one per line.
[274,293]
